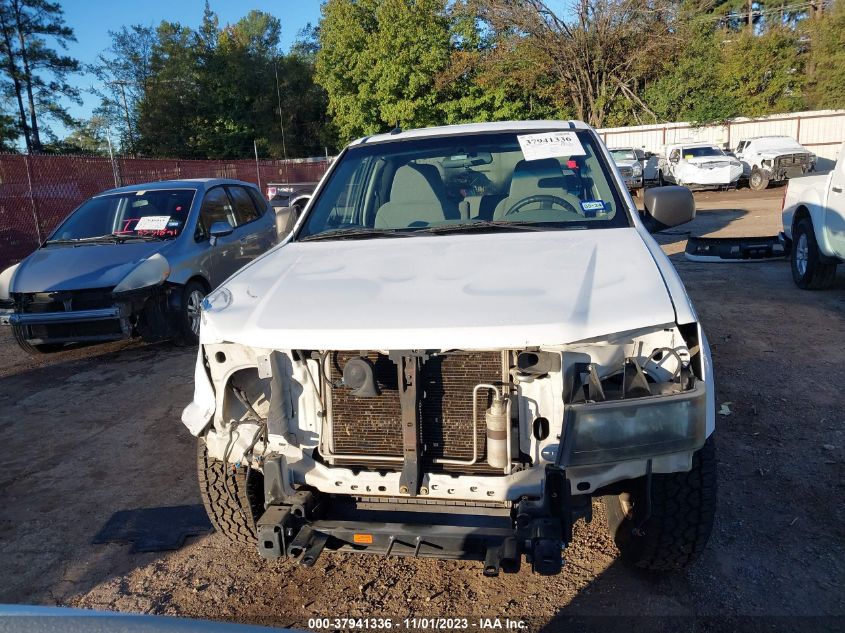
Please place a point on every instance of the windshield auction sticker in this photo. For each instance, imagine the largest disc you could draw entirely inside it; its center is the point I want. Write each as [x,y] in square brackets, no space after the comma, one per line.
[550,145]
[152,223]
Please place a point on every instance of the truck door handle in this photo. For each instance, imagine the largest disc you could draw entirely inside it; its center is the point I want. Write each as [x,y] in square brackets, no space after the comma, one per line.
[836,189]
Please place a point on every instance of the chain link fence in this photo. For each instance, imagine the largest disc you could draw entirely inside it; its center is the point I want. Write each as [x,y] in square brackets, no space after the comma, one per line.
[38,192]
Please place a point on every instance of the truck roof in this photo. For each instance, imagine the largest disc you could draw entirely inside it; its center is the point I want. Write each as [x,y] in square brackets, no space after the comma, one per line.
[473,128]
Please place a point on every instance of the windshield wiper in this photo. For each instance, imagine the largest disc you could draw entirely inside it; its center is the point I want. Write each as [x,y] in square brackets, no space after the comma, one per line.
[81,240]
[111,237]
[498,225]
[342,234]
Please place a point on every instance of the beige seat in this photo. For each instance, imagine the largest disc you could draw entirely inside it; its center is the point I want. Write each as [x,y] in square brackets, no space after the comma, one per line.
[536,177]
[417,198]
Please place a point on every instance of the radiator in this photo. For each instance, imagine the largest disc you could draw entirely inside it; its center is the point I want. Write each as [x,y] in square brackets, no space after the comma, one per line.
[372,426]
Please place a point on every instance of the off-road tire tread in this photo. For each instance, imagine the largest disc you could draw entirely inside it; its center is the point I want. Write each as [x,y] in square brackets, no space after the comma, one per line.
[236,511]
[683,508]
[820,275]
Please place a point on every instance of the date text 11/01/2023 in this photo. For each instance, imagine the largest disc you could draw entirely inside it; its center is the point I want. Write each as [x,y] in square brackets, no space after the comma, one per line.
[418,623]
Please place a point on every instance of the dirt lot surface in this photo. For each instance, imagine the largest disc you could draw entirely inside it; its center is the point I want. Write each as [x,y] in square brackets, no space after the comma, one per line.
[89,432]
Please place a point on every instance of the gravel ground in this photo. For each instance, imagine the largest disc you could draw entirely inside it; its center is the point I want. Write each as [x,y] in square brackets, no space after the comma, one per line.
[95,430]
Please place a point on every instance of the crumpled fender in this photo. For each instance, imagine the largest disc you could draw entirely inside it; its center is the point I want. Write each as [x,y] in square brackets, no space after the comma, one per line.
[198,414]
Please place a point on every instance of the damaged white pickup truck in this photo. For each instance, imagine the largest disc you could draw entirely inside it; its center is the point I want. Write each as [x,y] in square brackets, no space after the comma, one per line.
[425,370]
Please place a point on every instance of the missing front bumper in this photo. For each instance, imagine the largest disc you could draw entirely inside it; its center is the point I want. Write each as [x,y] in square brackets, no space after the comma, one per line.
[306,523]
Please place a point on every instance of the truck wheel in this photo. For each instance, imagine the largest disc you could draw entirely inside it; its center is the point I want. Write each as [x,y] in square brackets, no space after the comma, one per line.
[808,269]
[19,333]
[758,180]
[674,534]
[233,497]
[188,320]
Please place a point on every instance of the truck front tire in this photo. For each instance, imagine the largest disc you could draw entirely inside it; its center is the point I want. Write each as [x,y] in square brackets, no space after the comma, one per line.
[673,532]
[758,180]
[809,271]
[233,496]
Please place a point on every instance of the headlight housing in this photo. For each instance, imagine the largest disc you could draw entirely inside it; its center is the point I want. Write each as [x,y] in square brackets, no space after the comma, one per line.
[637,169]
[637,428]
[150,272]
[6,283]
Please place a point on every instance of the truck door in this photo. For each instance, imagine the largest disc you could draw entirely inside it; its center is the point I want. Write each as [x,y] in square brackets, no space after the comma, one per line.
[834,216]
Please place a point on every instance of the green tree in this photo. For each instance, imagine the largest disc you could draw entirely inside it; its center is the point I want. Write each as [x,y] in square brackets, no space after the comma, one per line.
[125,71]
[214,91]
[87,137]
[36,74]
[589,60]
[378,62]
[172,95]
[826,81]
[9,133]
[763,73]
[689,86]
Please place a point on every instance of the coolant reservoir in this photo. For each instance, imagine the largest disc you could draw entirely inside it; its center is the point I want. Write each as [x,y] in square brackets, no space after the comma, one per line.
[497,433]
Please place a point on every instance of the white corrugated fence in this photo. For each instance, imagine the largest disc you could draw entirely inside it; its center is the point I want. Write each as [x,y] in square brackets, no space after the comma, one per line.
[820,131]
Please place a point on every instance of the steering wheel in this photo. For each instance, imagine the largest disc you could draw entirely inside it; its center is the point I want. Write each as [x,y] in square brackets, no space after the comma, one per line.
[541,197]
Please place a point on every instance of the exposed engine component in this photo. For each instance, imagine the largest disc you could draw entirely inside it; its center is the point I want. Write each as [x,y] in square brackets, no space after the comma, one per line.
[359,376]
[497,423]
[538,363]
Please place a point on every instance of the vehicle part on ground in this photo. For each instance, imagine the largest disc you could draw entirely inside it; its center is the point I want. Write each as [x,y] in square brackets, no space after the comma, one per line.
[809,270]
[734,249]
[426,397]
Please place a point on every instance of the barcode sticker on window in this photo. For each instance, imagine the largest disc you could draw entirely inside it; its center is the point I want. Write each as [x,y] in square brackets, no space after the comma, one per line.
[550,145]
[152,223]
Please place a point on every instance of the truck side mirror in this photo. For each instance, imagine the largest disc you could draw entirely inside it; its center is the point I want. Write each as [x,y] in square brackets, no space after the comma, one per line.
[667,206]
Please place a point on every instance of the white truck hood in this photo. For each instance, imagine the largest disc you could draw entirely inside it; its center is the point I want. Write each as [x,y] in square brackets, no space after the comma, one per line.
[469,291]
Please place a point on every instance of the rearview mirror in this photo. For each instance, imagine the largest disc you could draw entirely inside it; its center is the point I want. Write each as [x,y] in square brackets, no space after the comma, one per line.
[667,206]
[219,229]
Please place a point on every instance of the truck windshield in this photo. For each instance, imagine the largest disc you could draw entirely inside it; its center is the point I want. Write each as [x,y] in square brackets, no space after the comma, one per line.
[622,154]
[698,152]
[150,214]
[546,180]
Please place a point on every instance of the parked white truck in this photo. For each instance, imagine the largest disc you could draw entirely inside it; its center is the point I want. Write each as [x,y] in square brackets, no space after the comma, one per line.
[698,166]
[767,159]
[814,226]
[417,372]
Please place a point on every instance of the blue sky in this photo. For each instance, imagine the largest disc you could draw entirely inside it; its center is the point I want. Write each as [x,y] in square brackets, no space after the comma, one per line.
[92,20]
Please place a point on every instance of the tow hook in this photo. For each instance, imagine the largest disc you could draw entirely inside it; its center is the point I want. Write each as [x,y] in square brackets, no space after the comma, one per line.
[546,547]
